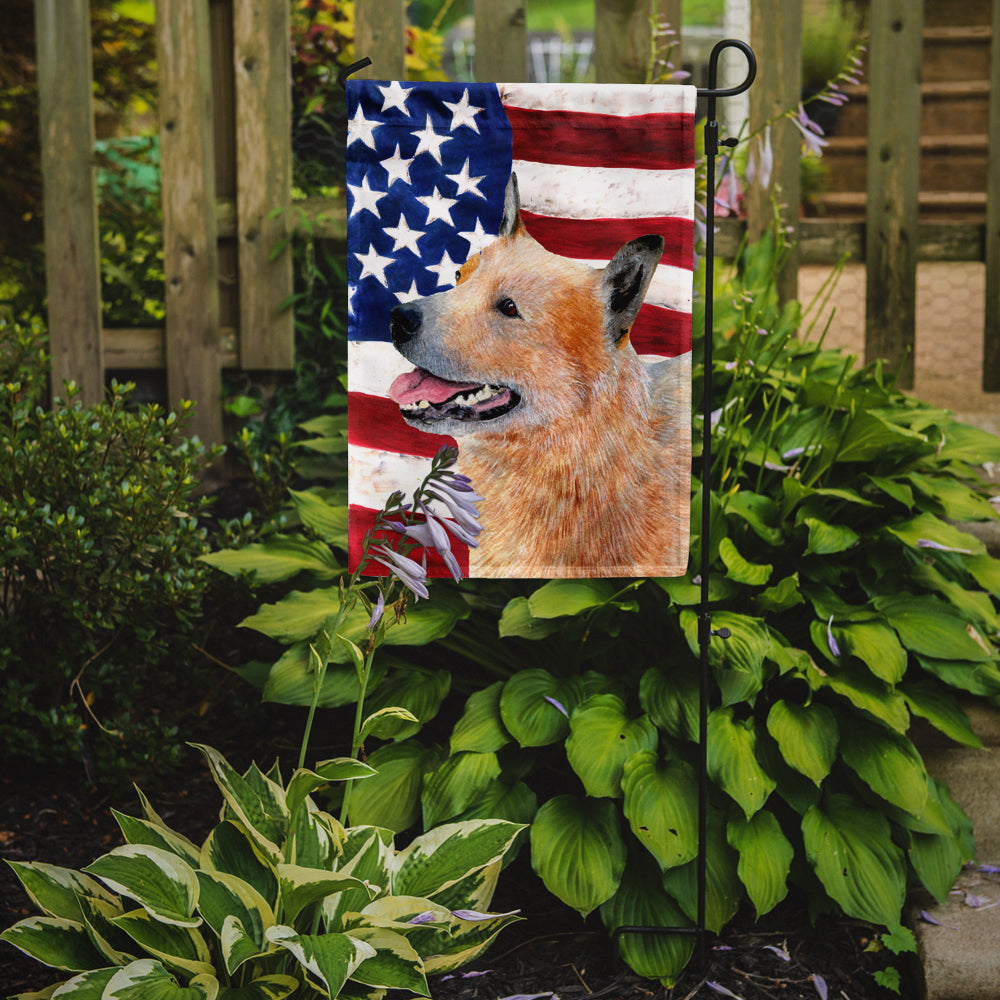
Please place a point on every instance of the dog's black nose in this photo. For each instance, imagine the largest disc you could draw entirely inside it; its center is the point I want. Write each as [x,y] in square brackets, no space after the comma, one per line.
[404,324]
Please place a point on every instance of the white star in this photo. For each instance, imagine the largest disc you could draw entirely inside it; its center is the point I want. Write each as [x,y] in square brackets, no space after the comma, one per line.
[374,265]
[411,295]
[463,113]
[467,184]
[395,97]
[397,168]
[446,270]
[430,141]
[478,238]
[438,207]
[351,289]
[360,128]
[364,197]
[404,236]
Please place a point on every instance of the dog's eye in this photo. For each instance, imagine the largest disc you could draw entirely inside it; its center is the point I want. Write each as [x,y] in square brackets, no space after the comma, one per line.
[508,307]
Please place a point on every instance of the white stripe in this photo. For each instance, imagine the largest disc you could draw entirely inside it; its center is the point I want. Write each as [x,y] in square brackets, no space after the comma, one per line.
[372,365]
[670,286]
[374,475]
[604,192]
[607,99]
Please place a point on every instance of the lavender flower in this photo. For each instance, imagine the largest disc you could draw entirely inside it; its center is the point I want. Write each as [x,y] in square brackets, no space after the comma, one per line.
[811,132]
[431,535]
[412,575]
[761,163]
[557,704]
[834,648]
[377,612]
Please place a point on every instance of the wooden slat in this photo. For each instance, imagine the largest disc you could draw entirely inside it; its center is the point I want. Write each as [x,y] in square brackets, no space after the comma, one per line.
[776,36]
[262,61]
[380,34]
[72,257]
[190,254]
[501,41]
[893,184]
[144,348]
[991,333]
[621,40]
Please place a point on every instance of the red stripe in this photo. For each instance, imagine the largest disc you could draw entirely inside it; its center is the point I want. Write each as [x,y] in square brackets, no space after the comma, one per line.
[362,519]
[599,239]
[661,331]
[375,422]
[646,142]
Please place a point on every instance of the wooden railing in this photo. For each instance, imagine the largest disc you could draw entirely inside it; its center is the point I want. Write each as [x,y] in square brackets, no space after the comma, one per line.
[226,155]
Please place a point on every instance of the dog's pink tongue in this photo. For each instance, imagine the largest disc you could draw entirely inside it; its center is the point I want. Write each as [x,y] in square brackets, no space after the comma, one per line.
[422,385]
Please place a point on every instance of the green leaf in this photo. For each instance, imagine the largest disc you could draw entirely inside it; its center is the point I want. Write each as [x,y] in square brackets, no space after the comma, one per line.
[385,723]
[304,782]
[292,680]
[141,831]
[577,850]
[876,646]
[765,858]
[559,598]
[517,620]
[481,727]
[870,435]
[807,736]
[527,706]
[957,501]
[395,964]
[327,520]
[640,901]
[279,558]
[738,661]
[888,763]
[456,784]
[391,798]
[181,948]
[828,539]
[601,739]
[163,884]
[986,571]
[147,979]
[732,760]
[671,700]
[54,941]
[417,690]
[661,798]
[86,986]
[274,987]
[738,569]
[931,628]
[56,891]
[758,511]
[438,859]
[965,443]
[224,897]
[850,848]
[301,887]
[516,803]
[230,849]
[866,692]
[927,527]
[783,595]
[330,959]
[976,678]
[941,709]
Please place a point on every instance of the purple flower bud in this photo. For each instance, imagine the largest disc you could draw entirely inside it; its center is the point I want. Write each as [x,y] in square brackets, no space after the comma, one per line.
[834,648]
[927,543]
[427,917]
[558,705]
[377,612]
[411,574]
[820,983]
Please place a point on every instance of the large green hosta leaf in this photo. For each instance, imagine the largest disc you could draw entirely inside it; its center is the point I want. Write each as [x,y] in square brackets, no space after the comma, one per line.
[481,727]
[456,784]
[418,690]
[765,858]
[941,709]
[535,706]
[850,848]
[732,760]
[876,646]
[671,700]
[932,628]
[661,806]
[391,798]
[395,964]
[558,598]
[888,763]
[225,897]
[601,739]
[578,851]
[807,736]
[738,661]
[278,558]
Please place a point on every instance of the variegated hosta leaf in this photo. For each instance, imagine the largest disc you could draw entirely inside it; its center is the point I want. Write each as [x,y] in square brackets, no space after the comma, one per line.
[141,831]
[602,737]
[732,760]
[304,782]
[56,891]
[329,959]
[367,853]
[274,987]
[147,979]
[256,801]
[642,902]
[468,939]
[441,857]
[395,964]
[807,736]
[86,986]
[300,887]
[230,849]
[456,784]
[578,851]
[661,799]
[116,946]
[475,891]
[224,897]
[158,880]
[315,838]
[54,941]
[238,944]
[177,947]
[481,728]
[851,849]
[765,858]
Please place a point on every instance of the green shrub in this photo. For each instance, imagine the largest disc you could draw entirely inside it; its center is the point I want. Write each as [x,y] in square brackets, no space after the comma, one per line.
[280,899]
[99,542]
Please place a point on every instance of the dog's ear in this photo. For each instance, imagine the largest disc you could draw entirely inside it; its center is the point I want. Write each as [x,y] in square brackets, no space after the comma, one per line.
[624,282]
[511,222]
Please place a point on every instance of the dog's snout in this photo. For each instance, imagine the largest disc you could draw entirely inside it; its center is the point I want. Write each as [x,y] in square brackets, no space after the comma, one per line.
[404,324]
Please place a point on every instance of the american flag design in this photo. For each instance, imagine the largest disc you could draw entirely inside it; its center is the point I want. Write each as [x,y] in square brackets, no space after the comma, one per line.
[427,170]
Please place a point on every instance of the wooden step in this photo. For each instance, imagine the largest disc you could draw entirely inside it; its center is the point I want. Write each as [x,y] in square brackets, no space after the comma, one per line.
[940,13]
[956,53]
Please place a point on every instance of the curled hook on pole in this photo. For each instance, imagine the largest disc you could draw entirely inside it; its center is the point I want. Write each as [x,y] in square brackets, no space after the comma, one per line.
[352,68]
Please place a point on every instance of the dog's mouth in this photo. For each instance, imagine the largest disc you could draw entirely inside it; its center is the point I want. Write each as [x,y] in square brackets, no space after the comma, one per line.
[423,396]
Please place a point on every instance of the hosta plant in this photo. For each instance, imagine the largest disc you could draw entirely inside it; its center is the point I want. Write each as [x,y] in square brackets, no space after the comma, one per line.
[279,900]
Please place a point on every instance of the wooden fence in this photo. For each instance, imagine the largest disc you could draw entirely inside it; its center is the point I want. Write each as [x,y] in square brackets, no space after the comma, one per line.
[226,160]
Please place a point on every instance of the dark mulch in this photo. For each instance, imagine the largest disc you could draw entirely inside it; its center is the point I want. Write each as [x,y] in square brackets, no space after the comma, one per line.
[551,951]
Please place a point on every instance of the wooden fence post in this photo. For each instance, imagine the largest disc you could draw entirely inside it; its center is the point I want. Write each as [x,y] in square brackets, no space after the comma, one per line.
[893,183]
[501,40]
[190,251]
[380,34]
[776,35]
[72,255]
[622,40]
[991,333]
[262,61]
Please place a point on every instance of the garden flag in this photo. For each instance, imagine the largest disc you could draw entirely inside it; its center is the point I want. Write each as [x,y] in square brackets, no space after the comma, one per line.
[520,276]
